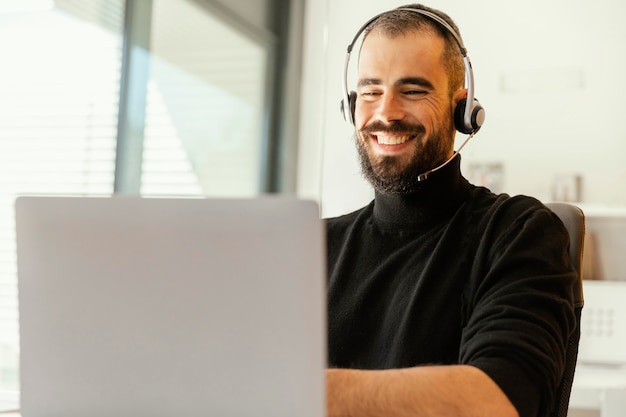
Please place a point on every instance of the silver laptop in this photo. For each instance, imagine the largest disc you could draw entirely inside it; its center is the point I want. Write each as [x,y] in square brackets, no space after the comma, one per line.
[171,307]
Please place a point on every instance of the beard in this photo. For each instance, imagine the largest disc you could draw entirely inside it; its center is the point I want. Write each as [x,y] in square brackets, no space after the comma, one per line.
[392,175]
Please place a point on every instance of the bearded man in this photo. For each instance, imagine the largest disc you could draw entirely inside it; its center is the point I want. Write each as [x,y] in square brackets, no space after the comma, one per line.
[444,299]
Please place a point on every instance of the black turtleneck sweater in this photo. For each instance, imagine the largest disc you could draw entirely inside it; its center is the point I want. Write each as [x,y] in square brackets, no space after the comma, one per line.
[453,274]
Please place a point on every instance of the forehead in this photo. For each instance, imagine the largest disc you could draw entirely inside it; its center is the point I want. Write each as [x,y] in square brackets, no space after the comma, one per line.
[414,53]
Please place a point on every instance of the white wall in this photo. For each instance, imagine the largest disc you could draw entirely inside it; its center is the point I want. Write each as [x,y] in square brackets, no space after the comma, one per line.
[550,74]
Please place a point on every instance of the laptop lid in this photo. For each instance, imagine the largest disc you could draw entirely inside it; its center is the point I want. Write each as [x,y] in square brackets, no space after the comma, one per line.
[171,307]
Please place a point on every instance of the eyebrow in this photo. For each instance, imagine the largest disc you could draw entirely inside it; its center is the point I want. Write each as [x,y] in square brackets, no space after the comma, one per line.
[423,82]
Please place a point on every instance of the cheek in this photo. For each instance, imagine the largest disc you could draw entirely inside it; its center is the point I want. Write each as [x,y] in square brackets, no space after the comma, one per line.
[360,114]
[440,117]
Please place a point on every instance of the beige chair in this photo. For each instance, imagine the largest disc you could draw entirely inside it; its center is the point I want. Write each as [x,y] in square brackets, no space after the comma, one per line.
[574,220]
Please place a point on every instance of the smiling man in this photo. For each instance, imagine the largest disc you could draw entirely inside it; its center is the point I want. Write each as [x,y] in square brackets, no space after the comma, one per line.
[444,299]
[404,106]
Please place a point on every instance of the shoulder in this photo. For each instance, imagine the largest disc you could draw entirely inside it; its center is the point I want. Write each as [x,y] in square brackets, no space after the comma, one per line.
[482,200]
[342,228]
[506,210]
[519,223]
[339,224]
[500,219]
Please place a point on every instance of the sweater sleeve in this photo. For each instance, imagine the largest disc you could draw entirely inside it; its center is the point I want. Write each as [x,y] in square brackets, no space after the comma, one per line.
[520,307]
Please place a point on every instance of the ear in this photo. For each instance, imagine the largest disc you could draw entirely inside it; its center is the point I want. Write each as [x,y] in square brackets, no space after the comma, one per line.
[458,95]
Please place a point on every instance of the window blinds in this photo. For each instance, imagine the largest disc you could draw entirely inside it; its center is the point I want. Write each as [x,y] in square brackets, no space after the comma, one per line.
[58,117]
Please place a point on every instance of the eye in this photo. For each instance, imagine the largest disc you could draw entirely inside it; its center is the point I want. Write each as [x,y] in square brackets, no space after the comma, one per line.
[369,94]
[414,92]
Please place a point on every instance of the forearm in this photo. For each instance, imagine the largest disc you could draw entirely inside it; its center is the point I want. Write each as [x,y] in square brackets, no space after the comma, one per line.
[442,391]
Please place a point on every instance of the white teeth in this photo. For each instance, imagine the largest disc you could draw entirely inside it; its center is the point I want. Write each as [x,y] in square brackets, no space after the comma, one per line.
[391,140]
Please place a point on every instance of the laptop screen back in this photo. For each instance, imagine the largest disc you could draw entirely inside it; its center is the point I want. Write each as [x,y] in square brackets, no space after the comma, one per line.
[163,307]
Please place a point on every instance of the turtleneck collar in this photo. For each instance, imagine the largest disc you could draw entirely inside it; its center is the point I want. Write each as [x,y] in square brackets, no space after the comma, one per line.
[439,195]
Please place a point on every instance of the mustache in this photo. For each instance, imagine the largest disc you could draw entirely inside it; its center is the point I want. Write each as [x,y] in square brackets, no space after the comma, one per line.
[393,127]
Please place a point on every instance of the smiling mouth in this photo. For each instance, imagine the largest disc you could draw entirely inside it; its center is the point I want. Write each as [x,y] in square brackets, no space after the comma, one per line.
[383,139]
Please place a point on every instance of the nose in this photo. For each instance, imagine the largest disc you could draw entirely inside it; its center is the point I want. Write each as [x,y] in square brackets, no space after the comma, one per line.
[390,108]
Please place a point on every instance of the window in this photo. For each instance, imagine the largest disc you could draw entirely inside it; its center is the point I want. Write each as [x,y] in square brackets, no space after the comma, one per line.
[58,114]
[208,97]
[205,104]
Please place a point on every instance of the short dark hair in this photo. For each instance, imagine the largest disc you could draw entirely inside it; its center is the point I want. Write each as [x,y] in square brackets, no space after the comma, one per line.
[398,22]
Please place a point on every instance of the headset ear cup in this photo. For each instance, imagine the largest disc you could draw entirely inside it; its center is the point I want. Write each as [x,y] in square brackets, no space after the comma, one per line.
[352,103]
[459,116]
[478,115]
[347,109]
[476,118]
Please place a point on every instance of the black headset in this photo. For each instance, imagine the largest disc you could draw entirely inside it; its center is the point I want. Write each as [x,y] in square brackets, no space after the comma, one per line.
[467,118]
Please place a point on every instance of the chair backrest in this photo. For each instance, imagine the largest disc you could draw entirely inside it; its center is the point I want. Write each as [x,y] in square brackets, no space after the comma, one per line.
[574,220]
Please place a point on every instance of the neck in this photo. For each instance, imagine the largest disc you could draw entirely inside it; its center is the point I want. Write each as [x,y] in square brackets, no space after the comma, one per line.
[443,191]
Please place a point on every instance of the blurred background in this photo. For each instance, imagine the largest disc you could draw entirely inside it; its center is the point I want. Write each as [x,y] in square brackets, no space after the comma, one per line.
[151,97]
[549,74]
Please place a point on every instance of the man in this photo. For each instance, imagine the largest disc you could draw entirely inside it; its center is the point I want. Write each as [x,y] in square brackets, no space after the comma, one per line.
[444,298]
